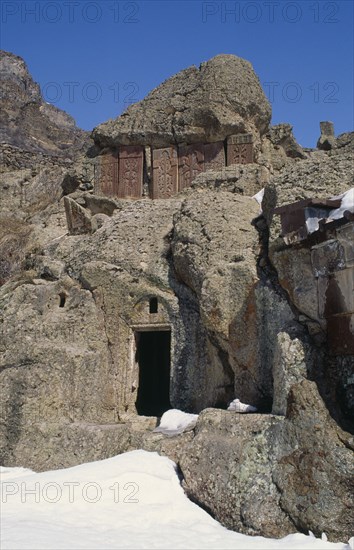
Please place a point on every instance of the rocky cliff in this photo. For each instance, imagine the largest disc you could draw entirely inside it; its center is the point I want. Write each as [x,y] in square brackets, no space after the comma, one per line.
[38,146]
[27,121]
[208,268]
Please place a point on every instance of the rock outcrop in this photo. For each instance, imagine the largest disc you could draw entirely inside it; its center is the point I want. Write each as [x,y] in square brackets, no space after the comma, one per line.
[315,474]
[327,139]
[221,97]
[38,147]
[282,138]
[207,268]
[27,121]
[268,474]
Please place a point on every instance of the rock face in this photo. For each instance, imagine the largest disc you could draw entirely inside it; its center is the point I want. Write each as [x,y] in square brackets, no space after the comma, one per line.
[327,140]
[314,473]
[323,174]
[198,290]
[268,474]
[219,268]
[38,146]
[238,488]
[27,121]
[206,104]
[281,137]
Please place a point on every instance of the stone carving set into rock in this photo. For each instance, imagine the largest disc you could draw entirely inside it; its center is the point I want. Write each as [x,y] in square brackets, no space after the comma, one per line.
[122,172]
[227,314]
[202,118]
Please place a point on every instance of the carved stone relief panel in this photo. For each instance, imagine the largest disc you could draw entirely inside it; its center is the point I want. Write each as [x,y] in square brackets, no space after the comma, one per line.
[191,164]
[239,149]
[109,174]
[164,173]
[131,167]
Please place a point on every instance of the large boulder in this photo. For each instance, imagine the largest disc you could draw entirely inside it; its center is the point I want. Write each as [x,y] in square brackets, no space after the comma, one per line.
[227,469]
[206,104]
[315,473]
[263,474]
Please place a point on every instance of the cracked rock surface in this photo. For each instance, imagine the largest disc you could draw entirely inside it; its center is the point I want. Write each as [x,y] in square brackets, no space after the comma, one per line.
[242,309]
[221,97]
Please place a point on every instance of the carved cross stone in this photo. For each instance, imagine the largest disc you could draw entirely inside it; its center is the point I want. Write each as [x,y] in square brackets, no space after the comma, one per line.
[191,163]
[131,165]
[165,173]
[239,149]
[108,174]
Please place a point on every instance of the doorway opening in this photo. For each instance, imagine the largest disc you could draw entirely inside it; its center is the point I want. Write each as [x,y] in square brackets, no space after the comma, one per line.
[153,355]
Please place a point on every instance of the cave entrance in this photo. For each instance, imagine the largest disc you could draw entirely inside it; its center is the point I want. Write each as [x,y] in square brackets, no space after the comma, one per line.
[153,356]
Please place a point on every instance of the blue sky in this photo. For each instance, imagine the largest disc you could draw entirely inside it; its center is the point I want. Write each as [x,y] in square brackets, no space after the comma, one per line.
[92,58]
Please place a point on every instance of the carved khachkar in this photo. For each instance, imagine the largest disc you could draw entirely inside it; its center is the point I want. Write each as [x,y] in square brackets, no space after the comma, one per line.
[190,164]
[239,149]
[164,173]
[214,156]
[108,174]
[131,165]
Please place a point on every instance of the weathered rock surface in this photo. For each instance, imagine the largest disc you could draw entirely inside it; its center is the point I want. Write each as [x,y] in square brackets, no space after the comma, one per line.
[268,474]
[38,145]
[27,121]
[322,175]
[244,179]
[315,474]
[327,139]
[206,104]
[281,136]
[214,249]
[78,218]
[202,257]
[242,308]
[292,360]
[227,469]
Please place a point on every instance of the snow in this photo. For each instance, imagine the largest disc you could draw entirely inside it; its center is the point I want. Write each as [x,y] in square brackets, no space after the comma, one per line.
[13,472]
[313,218]
[239,407]
[174,422]
[346,204]
[312,222]
[130,501]
[259,198]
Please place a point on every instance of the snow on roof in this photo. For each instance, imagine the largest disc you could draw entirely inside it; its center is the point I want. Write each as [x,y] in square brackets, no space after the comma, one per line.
[347,205]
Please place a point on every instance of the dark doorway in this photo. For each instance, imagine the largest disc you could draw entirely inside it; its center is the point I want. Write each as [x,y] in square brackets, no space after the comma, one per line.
[153,356]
